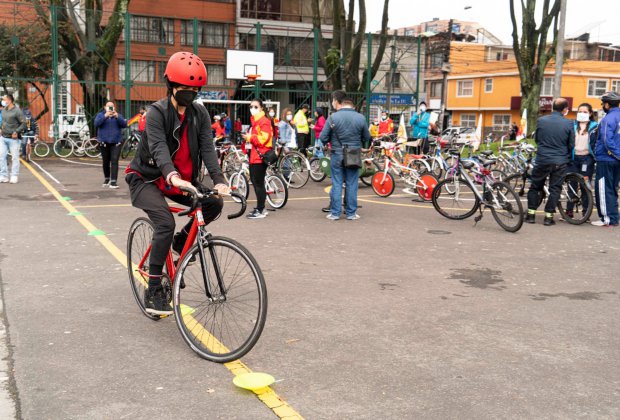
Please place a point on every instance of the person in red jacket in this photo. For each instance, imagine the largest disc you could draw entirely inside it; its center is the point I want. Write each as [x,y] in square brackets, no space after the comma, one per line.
[386,125]
[219,128]
[259,141]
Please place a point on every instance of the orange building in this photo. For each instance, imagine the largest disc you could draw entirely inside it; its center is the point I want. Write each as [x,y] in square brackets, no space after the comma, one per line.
[485,80]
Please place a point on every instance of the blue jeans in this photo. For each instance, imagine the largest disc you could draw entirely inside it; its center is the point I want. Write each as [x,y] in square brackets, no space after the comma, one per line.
[607,180]
[350,178]
[13,145]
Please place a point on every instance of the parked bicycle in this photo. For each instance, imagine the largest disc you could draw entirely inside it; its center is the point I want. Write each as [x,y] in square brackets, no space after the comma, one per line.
[131,144]
[34,145]
[65,147]
[275,185]
[216,287]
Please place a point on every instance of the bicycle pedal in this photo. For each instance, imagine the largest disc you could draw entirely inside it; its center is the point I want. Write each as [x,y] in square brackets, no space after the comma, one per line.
[478,218]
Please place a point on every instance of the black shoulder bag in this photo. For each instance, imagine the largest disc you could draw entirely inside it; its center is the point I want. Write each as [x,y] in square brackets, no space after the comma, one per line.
[352,157]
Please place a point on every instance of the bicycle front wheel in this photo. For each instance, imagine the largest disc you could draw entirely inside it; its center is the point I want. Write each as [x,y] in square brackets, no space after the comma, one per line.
[316,173]
[63,148]
[296,168]
[239,183]
[41,149]
[506,207]
[91,147]
[126,148]
[277,192]
[455,199]
[138,250]
[517,183]
[576,201]
[221,322]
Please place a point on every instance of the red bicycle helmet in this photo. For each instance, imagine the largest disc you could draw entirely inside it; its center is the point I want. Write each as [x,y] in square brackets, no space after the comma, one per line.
[186,69]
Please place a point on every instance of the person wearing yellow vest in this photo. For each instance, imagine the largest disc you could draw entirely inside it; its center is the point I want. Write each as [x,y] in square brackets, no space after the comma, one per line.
[374,129]
[301,121]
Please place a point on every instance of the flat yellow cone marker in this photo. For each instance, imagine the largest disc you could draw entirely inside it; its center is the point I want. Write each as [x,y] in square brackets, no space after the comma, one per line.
[253,380]
[186,310]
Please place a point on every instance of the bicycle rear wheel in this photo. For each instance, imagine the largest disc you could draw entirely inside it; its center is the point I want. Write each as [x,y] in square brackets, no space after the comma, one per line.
[226,325]
[316,173]
[517,183]
[41,149]
[138,250]
[91,147]
[231,164]
[239,184]
[425,186]
[63,148]
[297,166]
[126,148]
[277,192]
[576,201]
[455,199]
[506,207]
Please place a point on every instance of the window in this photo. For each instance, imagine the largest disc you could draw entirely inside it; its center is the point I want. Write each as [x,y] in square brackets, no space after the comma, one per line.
[468,120]
[501,122]
[215,75]
[615,85]
[395,82]
[154,30]
[488,85]
[547,86]
[597,87]
[285,10]
[140,70]
[208,34]
[465,88]
[436,89]
[436,60]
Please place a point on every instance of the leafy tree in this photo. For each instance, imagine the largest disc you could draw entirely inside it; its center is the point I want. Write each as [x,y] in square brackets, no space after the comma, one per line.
[532,52]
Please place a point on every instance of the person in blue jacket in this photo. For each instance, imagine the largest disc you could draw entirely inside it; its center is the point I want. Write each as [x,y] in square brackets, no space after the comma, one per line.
[420,123]
[607,154]
[109,125]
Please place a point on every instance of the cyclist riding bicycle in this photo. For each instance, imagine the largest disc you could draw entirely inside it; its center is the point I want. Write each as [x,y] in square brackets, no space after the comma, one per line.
[176,142]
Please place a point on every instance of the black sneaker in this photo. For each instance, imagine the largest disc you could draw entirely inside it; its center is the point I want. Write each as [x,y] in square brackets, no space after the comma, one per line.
[549,221]
[530,218]
[256,214]
[113,185]
[156,303]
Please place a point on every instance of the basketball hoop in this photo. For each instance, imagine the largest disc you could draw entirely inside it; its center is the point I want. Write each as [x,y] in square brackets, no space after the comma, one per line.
[252,77]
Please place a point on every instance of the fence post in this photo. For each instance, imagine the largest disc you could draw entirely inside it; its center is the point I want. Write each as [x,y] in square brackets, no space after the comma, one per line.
[368,76]
[55,84]
[258,48]
[315,75]
[127,65]
[417,75]
[195,35]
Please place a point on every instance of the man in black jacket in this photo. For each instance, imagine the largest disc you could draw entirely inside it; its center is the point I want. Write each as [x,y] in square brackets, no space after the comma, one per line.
[555,138]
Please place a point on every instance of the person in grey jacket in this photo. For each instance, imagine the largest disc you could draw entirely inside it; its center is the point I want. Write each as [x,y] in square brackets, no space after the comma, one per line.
[13,126]
[346,127]
[555,137]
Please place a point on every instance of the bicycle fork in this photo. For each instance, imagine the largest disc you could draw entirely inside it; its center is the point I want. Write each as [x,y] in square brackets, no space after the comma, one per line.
[202,239]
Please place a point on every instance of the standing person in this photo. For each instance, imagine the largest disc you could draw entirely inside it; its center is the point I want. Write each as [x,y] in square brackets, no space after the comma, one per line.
[12,128]
[238,125]
[555,138]
[374,128]
[319,117]
[420,122]
[345,127]
[139,118]
[607,153]
[219,128]
[275,122]
[514,130]
[259,141]
[286,129]
[30,131]
[227,123]
[386,125]
[177,141]
[582,159]
[302,128]
[110,124]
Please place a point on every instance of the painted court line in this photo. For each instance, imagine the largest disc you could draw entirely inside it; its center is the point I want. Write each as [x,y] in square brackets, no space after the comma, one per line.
[266,395]
[80,163]
[45,172]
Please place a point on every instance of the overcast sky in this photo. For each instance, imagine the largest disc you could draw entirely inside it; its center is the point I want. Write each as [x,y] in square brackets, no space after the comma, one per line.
[602,15]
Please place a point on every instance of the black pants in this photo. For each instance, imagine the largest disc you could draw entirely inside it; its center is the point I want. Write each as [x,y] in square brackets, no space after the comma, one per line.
[109,155]
[556,174]
[257,176]
[148,197]
[302,142]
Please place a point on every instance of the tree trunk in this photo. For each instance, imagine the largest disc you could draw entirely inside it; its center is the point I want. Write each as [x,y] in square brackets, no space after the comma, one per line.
[531,102]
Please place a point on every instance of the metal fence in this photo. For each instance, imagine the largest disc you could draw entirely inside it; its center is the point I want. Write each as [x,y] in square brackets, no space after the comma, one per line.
[64,65]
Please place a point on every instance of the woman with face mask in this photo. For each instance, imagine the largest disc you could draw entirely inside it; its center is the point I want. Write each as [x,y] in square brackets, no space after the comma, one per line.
[420,122]
[318,127]
[386,125]
[259,141]
[275,122]
[286,129]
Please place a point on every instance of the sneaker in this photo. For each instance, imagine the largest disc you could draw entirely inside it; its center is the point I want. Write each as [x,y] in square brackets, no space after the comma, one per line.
[13,180]
[530,218]
[549,221]
[326,209]
[106,183]
[332,217]
[256,214]
[598,223]
[354,217]
[113,185]
[4,179]
[265,212]
[155,302]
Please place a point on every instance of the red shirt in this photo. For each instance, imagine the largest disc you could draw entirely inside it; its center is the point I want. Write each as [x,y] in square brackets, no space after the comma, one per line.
[182,161]
[219,130]
[142,122]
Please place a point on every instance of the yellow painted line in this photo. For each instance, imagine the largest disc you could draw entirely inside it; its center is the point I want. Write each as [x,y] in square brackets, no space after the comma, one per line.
[395,204]
[266,395]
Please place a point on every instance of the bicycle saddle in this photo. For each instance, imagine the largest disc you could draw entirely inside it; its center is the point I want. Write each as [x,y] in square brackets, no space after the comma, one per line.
[488,162]
[468,164]
[487,152]
[454,151]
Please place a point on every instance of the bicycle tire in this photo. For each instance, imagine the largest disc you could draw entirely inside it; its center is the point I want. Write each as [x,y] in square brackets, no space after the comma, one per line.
[239,183]
[509,214]
[298,167]
[230,164]
[383,187]
[196,315]
[499,175]
[78,149]
[63,148]
[425,186]
[126,148]
[316,174]
[455,192]
[91,147]
[420,165]
[277,191]
[575,190]
[436,169]
[136,249]
[41,149]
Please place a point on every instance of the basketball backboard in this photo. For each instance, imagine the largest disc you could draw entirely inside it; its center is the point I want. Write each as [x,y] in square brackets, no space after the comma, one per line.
[241,63]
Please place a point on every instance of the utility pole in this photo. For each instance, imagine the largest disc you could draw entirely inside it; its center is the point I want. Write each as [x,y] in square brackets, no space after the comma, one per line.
[559,52]
[445,69]
[388,101]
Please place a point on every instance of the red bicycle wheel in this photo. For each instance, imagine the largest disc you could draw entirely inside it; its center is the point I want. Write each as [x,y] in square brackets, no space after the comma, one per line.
[425,186]
[383,185]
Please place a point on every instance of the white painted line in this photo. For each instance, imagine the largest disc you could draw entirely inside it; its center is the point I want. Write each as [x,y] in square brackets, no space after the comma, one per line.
[48,174]
[80,163]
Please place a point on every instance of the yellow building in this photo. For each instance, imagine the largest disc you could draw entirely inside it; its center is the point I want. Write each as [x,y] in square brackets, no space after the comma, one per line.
[485,80]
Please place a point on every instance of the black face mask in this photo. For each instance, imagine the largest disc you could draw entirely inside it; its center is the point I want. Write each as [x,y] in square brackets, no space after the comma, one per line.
[185,97]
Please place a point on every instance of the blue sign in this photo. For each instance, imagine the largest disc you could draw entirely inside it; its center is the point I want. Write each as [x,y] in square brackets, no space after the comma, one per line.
[396,99]
[213,95]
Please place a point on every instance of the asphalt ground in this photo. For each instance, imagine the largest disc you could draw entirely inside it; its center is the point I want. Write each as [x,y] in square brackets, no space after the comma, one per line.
[401,314]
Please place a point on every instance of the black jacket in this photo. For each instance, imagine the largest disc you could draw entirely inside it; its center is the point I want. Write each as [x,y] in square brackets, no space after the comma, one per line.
[555,138]
[161,140]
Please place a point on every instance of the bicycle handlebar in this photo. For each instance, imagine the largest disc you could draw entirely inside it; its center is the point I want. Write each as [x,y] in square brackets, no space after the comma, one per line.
[196,196]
